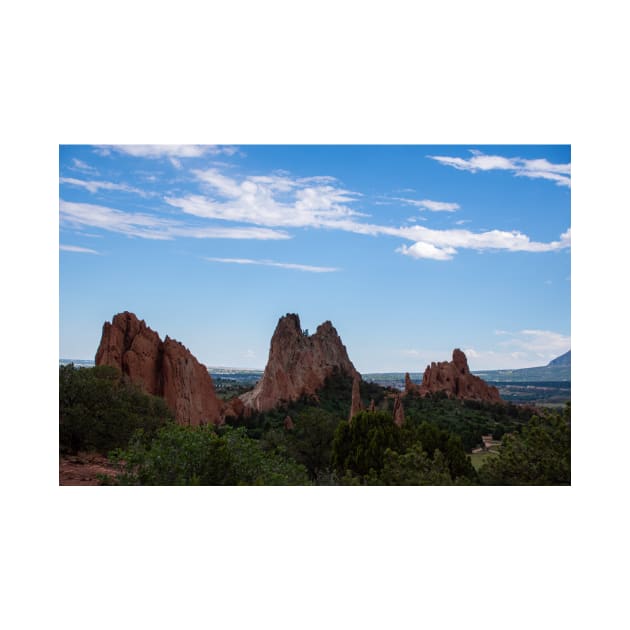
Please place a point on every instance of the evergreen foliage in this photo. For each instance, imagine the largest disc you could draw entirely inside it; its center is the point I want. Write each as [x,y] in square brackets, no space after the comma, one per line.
[205,456]
[359,446]
[539,455]
[100,411]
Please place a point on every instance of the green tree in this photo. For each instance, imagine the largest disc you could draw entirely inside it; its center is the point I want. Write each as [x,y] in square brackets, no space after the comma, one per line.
[100,411]
[205,456]
[539,455]
[413,468]
[310,440]
[432,438]
[360,446]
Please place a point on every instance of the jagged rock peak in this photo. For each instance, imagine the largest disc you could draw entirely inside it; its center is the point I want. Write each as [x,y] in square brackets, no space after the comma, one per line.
[460,361]
[161,368]
[298,364]
[455,379]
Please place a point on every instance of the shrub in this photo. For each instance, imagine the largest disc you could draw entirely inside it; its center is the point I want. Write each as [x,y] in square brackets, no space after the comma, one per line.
[205,456]
[99,411]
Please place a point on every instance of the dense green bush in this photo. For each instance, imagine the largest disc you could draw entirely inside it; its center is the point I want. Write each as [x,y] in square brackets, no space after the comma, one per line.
[359,446]
[539,455]
[469,419]
[205,456]
[100,411]
[309,442]
[413,468]
[433,439]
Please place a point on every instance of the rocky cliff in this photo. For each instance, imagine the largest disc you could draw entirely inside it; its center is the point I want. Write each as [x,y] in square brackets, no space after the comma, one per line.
[453,378]
[298,364]
[162,368]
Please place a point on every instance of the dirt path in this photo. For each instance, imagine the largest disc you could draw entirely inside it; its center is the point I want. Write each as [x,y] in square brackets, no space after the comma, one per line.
[84,469]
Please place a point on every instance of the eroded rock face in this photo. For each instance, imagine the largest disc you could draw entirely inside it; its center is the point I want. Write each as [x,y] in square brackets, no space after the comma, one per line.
[298,364]
[454,378]
[161,368]
[410,386]
[356,405]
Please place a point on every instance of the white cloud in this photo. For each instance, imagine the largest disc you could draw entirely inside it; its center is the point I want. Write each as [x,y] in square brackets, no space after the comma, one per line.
[95,186]
[538,168]
[281,201]
[82,166]
[76,248]
[153,227]
[172,151]
[428,204]
[536,346]
[491,239]
[524,348]
[411,352]
[272,263]
[427,250]
[274,200]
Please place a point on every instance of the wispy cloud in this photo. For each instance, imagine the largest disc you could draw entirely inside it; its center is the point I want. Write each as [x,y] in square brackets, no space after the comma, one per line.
[282,201]
[173,151]
[271,200]
[95,186]
[79,250]
[428,204]
[273,263]
[277,201]
[153,227]
[538,168]
[524,348]
[444,244]
[79,165]
[544,344]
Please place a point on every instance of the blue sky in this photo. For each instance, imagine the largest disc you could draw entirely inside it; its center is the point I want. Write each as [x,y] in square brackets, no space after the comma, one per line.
[410,251]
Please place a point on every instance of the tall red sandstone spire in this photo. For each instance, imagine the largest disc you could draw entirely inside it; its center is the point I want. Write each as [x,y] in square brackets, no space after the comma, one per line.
[356,404]
[162,368]
[298,364]
[399,411]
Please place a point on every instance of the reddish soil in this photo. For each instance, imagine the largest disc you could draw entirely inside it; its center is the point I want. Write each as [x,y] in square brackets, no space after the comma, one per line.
[84,469]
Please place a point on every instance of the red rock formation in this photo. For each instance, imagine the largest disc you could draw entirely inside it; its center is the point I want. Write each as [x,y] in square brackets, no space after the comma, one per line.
[356,404]
[454,378]
[233,409]
[399,411]
[166,369]
[409,384]
[298,364]
[372,406]
[289,425]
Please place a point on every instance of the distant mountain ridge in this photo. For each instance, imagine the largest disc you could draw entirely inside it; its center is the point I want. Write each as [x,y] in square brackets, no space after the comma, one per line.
[558,369]
[563,359]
